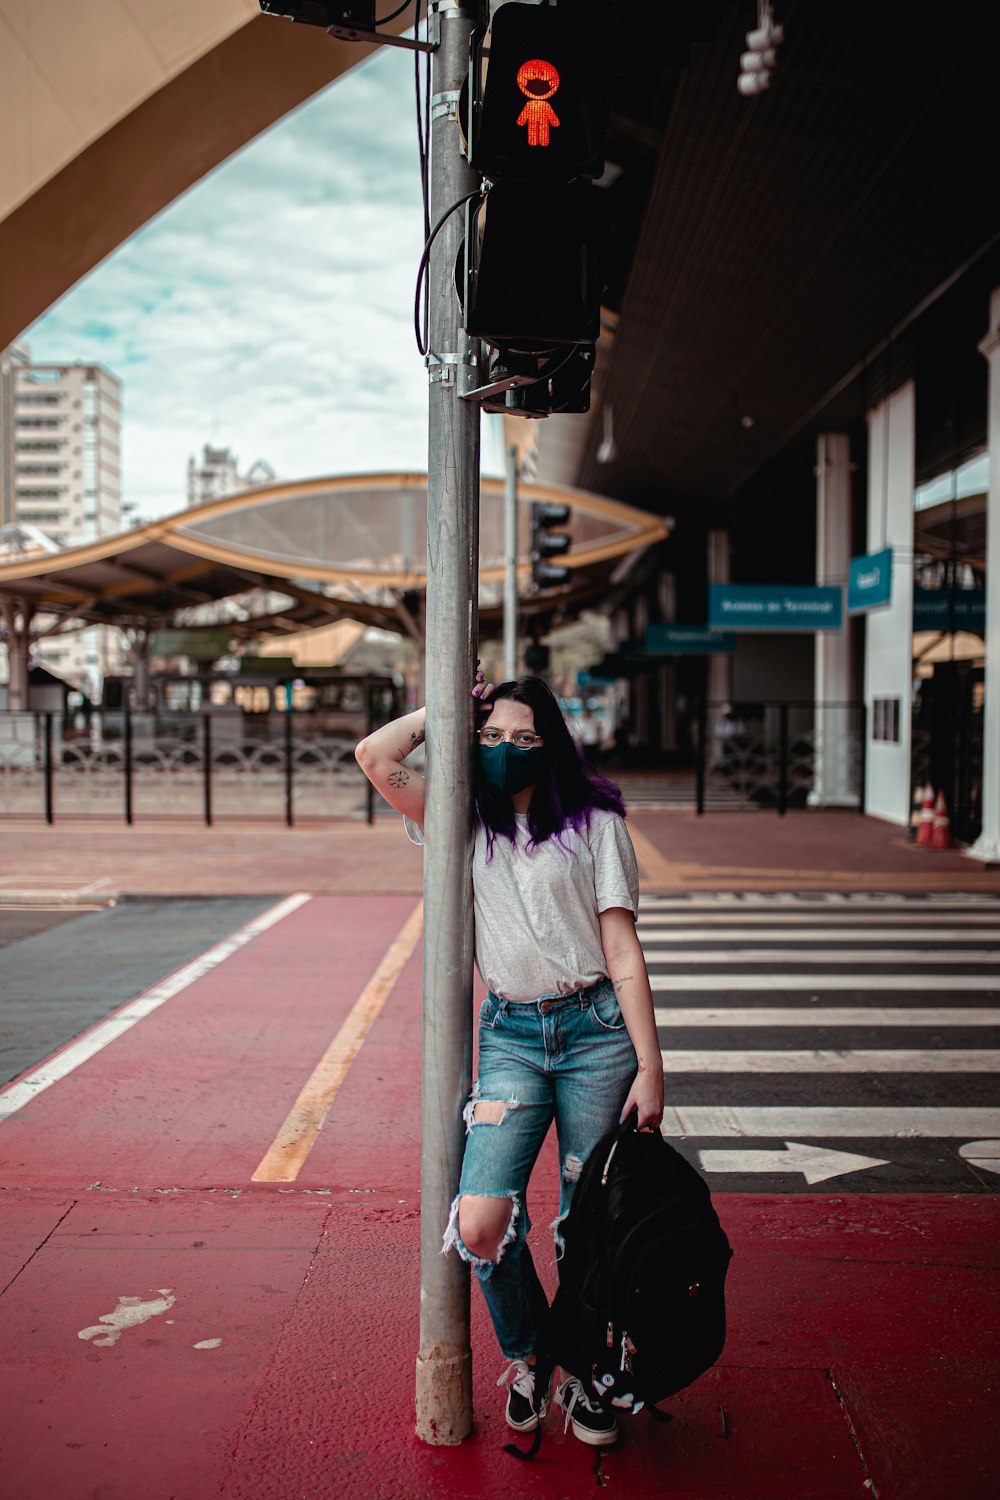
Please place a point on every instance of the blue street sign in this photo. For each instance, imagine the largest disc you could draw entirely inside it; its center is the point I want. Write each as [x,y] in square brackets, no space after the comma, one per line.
[869,582]
[949,609]
[687,640]
[775,606]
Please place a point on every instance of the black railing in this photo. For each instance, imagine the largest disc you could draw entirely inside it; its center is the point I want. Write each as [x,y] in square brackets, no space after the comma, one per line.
[199,766]
[780,754]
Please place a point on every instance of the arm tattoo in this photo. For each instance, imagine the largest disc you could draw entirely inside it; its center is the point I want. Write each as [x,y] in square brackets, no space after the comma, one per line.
[642,1064]
[625,979]
[416,738]
[398,778]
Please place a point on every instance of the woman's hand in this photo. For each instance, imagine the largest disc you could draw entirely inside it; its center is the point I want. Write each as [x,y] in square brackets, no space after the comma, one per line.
[482,690]
[646,1095]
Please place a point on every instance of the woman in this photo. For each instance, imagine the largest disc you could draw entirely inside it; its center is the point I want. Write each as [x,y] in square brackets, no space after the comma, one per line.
[567,1030]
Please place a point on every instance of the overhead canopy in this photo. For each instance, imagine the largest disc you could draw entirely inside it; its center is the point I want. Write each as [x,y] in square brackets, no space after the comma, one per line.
[342,548]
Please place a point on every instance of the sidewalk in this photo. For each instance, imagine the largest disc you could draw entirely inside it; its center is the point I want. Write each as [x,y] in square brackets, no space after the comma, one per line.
[173,1328]
[677,851]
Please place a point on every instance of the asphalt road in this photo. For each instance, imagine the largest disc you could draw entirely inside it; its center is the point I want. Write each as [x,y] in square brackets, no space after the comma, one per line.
[811,1043]
[827,1042]
[63,969]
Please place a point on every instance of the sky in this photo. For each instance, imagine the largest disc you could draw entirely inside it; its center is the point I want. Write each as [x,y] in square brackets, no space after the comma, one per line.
[270,308]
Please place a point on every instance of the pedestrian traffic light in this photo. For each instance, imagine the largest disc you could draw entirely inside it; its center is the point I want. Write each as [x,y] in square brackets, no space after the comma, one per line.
[529,274]
[541,115]
[545,543]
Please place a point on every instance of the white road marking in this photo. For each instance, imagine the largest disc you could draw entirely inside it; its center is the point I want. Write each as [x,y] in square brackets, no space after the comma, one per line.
[813,982]
[19,1093]
[816,1163]
[747,933]
[985,1154]
[824,955]
[820,900]
[891,1122]
[829,1060]
[827,1015]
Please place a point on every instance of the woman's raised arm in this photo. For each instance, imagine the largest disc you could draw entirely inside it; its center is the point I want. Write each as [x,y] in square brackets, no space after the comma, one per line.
[381,754]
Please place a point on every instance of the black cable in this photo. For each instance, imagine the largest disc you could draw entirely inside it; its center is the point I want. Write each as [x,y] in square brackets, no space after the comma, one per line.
[422,335]
[384,20]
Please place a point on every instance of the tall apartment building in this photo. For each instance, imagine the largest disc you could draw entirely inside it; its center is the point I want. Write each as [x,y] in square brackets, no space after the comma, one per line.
[60,471]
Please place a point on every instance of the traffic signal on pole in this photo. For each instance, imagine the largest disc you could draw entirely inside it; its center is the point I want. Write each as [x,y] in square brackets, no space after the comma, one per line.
[529,273]
[547,542]
[541,115]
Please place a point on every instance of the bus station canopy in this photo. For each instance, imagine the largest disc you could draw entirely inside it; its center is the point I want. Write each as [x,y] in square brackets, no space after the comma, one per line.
[321,550]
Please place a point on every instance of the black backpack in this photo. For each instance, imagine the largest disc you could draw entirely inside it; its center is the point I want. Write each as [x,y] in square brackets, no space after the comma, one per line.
[640,1310]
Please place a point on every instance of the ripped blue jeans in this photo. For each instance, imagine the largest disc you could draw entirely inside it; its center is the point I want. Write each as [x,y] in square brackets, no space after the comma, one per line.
[568,1059]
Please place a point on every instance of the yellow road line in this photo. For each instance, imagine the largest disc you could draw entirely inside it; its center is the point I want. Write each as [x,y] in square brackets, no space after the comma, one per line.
[297,1136]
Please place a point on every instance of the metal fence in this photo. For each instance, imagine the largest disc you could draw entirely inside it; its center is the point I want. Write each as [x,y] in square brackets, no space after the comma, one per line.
[203,767]
[780,755]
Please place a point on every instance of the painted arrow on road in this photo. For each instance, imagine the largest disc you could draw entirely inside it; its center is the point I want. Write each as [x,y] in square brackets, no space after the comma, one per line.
[816,1163]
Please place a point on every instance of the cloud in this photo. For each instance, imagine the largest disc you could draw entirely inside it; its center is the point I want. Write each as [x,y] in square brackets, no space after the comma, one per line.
[270,309]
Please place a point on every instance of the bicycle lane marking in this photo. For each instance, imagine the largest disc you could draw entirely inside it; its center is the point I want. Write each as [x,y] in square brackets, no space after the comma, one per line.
[66,1059]
[287,1153]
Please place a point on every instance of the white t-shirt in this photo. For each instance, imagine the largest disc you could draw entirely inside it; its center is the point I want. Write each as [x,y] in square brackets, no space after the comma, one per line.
[537,928]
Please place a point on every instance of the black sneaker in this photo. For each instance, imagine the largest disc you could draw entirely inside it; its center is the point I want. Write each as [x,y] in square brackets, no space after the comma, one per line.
[591,1423]
[519,1377]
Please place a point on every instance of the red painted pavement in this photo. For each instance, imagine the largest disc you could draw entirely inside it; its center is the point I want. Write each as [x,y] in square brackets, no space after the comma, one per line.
[863,1331]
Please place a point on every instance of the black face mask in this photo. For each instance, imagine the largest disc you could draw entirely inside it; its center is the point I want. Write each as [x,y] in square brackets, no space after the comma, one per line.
[509,770]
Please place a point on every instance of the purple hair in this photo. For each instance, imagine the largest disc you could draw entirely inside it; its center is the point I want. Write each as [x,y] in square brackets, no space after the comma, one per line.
[568,790]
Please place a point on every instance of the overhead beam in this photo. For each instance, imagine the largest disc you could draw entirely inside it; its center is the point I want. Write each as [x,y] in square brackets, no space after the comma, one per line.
[146,160]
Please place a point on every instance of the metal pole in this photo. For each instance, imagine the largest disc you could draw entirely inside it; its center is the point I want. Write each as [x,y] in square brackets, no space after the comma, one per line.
[127,747]
[510,571]
[701,755]
[782,759]
[289,808]
[48,768]
[444,1361]
[206,756]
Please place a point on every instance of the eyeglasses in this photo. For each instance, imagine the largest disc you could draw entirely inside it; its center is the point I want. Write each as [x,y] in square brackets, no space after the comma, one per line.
[521,739]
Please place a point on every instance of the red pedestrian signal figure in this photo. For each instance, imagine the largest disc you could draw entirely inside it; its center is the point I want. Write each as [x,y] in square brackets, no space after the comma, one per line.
[539,81]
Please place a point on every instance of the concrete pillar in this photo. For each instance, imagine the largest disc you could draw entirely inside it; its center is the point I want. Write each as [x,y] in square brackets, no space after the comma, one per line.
[139,644]
[987,845]
[640,619]
[667,591]
[832,780]
[889,632]
[719,676]
[17,628]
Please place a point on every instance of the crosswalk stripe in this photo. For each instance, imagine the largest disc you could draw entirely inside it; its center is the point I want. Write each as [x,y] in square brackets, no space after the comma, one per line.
[810,982]
[827,1015]
[825,904]
[824,955]
[826,1060]
[693,931]
[799,1122]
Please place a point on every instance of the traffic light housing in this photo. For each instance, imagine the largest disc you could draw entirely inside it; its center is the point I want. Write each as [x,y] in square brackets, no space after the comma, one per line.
[541,115]
[529,275]
[546,542]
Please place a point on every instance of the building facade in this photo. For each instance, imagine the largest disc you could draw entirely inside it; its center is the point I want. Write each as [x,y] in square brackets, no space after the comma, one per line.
[60,466]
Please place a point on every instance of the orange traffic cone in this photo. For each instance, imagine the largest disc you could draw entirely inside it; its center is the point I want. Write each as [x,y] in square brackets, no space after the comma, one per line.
[941,832]
[926,829]
[916,804]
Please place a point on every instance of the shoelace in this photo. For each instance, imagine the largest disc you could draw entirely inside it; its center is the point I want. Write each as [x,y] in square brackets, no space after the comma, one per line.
[579,1396]
[524,1378]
